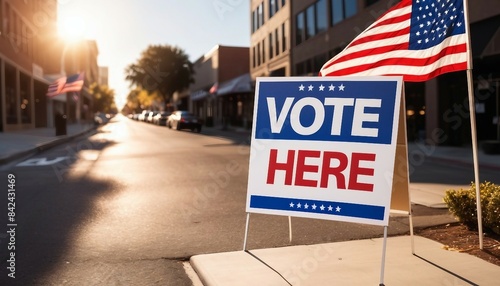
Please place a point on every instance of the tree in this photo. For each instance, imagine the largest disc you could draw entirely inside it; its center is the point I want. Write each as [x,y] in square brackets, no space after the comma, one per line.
[104,98]
[139,99]
[163,69]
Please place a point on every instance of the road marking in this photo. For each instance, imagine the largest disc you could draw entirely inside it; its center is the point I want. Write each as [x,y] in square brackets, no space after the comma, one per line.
[41,162]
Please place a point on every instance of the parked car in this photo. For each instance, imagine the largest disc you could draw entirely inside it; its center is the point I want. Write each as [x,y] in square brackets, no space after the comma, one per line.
[144,115]
[149,118]
[101,118]
[184,120]
[136,116]
[161,118]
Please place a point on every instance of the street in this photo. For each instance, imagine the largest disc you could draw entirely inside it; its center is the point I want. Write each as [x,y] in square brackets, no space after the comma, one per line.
[132,202]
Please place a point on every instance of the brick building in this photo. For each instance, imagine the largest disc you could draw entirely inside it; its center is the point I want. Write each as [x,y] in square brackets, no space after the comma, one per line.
[222,93]
[30,59]
[296,37]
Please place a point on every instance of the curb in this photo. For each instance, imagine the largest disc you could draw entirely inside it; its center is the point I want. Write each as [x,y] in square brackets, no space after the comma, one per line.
[44,146]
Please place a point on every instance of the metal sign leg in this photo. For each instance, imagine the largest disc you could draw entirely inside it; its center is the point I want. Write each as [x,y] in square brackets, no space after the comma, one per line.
[384,246]
[290,228]
[246,233]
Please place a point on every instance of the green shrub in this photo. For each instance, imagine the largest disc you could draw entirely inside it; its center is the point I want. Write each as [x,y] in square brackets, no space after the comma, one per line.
[492,216]
[462,204]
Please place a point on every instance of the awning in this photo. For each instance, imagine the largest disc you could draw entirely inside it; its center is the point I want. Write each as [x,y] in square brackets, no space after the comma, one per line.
[240,84]
[485,37]
[199,95]
[493,46]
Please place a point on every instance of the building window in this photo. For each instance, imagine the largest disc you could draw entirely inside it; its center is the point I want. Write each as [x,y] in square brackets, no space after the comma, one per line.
[30,37]
[300,28]
[254,57]
[258,54]
[260,12]
[6,19]
[350,8]
[10,94]
[12,23]
[276,42]
[310,22]
[258,17]
[283,37]
[254,21]
[321,16]
[17,30]
[271,46]
[25,92]
[24,37]
[263,46]
[342,9]
[2,18]
[273,7]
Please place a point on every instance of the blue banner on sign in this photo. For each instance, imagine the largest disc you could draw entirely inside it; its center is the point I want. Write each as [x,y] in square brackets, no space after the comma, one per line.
[319,207]
[329,110]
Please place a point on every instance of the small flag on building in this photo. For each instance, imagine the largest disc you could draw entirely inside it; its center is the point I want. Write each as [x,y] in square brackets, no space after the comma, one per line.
[56,87]
[66,84]
[417,39]
[214,88]
[74,83]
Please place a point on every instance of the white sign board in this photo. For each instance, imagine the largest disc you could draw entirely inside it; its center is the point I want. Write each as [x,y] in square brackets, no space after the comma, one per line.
[324,147]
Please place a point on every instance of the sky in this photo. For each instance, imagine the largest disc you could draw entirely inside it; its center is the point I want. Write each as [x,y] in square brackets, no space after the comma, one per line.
[125,28]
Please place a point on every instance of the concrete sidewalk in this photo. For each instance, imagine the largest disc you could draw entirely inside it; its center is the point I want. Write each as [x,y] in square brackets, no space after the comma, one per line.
[17,144]
[409,260]
[347,263]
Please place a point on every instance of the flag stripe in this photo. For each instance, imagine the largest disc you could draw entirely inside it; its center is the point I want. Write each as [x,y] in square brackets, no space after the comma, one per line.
[63,85]
[72,87]
[55,87]
[364,56]
[391,17]
[390,34]
[453,45]
[418,40]
[403,8]
[397,19]
[457,60]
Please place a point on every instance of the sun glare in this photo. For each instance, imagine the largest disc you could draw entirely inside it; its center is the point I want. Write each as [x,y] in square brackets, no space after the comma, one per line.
[71,28]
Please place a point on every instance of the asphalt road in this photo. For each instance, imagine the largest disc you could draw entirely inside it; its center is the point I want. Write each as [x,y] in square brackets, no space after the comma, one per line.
[131,203]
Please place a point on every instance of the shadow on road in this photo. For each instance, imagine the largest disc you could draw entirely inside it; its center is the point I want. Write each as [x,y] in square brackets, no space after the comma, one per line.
[51,207]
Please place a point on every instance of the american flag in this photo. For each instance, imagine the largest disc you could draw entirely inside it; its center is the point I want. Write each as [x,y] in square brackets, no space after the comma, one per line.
[74,83]
[418,39]
[56,87]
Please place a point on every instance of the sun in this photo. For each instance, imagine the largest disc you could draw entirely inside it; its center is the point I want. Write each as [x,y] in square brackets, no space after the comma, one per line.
[71,28]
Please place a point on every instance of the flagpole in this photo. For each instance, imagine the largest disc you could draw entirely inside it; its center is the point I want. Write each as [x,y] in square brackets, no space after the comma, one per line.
[473,126]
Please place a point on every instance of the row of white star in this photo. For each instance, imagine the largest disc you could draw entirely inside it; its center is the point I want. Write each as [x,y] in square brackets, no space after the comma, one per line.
[331,87]
[314,207]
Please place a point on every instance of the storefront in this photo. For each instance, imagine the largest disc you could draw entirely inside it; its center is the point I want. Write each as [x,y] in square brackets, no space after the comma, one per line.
[237,98]
[23,103]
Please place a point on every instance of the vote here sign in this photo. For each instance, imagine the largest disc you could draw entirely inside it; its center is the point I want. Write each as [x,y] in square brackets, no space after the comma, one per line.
[324,147]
